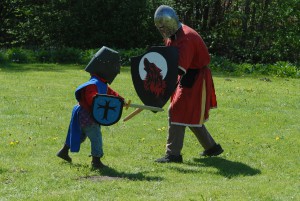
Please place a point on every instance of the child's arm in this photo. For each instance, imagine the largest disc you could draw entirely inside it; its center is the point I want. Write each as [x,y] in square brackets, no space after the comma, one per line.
[110,91]
[87,95]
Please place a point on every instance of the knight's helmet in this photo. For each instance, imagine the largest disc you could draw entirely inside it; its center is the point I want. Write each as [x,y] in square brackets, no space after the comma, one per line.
[105,63]
[166,21]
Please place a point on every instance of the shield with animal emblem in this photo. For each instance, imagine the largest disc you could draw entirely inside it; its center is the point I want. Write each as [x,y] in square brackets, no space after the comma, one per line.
[106,109]
[154,75]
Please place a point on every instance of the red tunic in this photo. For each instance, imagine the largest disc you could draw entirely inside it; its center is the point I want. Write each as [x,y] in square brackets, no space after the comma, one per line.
[190,106]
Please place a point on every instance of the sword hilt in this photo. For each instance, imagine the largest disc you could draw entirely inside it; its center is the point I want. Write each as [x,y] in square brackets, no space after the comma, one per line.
[128,104]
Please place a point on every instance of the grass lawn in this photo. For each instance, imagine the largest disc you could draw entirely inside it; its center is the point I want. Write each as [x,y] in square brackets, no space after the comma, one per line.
[256,122]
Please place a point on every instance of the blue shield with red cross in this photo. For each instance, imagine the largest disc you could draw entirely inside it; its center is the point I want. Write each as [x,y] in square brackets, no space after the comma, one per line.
[107,109]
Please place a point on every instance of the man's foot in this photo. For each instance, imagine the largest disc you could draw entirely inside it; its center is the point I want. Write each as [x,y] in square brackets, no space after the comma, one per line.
[64,155]
[214,151]
[169,159]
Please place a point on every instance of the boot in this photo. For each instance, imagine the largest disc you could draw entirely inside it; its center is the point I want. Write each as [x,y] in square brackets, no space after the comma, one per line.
[214,151]
[64,153]
[97,164]
[169,159]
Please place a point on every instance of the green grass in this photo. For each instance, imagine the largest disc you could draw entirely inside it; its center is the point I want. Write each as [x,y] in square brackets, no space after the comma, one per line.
[257,123]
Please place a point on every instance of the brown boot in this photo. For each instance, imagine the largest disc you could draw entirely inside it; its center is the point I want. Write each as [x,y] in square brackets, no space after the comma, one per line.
[64,153]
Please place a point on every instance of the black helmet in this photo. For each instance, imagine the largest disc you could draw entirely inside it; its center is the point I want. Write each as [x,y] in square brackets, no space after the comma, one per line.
[105,64]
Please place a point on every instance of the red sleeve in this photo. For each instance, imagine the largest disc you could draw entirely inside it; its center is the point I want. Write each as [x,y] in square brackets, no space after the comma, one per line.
[193,52]
[186,49]
[87,95]
[110,91]
[90,92]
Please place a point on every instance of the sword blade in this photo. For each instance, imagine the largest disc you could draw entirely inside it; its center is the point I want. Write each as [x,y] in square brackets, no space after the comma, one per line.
[146,107]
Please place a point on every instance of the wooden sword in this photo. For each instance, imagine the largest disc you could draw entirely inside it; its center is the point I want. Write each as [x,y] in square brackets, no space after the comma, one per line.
[140,108]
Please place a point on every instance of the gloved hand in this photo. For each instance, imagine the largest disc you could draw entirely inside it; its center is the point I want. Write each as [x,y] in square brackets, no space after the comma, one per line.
[188,79]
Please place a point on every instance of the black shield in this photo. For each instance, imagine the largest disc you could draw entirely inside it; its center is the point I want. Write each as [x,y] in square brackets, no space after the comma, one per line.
[154,75]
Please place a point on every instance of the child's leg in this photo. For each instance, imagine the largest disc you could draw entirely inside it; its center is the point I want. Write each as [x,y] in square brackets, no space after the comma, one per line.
[94,134]
[83,137]
[64,153]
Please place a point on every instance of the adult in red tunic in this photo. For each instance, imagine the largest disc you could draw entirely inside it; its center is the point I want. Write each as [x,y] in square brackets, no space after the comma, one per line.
[195,93]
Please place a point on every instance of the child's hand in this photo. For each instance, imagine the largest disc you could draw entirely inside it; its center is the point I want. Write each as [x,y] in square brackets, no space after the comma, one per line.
[126,104]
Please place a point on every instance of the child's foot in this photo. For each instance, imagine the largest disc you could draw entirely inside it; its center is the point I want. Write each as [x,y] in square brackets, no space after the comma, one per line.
[97,164]
[64,155]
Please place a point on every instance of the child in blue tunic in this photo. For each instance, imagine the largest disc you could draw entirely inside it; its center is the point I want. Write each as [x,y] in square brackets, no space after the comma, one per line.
[82,124]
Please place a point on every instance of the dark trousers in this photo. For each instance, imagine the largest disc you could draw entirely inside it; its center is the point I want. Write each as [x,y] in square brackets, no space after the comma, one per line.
[176,138]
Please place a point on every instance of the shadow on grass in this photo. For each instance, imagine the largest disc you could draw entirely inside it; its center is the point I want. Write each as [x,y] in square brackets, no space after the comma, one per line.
[109,173]
[227,168]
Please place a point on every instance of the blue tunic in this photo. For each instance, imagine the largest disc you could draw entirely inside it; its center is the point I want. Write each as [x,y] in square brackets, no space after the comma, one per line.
[74,131]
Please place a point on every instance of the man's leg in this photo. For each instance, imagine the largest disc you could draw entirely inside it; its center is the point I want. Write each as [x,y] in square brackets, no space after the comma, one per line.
[175,140]
[203,136]
[211,148]
[174,144]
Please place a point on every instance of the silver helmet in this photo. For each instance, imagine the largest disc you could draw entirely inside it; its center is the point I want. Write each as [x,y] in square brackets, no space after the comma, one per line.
[166,21]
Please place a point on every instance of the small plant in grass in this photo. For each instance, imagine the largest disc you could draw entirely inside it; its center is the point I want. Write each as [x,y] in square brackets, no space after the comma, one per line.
[286,69]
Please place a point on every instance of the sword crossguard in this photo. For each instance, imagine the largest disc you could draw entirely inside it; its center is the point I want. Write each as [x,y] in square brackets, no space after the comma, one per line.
[128,104]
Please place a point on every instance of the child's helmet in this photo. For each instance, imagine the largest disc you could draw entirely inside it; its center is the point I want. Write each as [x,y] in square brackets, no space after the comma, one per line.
[105,64]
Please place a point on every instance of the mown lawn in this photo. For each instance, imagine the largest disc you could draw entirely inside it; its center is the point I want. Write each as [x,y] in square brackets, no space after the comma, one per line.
[256,122]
